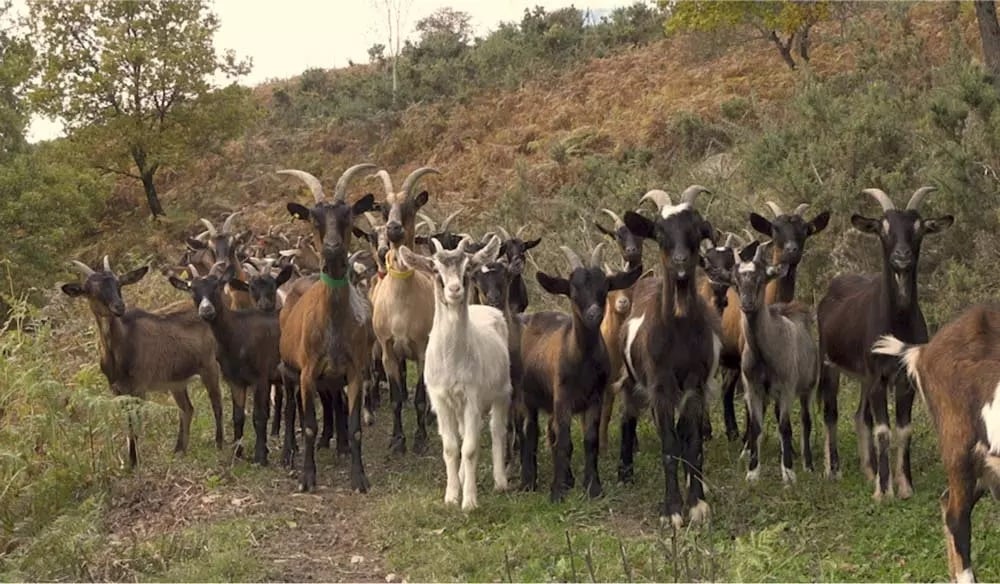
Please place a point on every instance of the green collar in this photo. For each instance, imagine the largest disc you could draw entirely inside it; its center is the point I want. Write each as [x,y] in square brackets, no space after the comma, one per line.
[332,282]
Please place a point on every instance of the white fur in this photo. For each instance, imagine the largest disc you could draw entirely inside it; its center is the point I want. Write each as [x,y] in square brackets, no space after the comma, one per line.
[699,512]
[670,210]
[746,267]
[991,419]
[467,372]
[965,576]
[632,327]
[908,354]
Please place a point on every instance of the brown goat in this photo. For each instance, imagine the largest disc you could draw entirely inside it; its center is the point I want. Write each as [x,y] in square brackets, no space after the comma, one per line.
[142,352]
[325,334]
[222,247]
[958,376]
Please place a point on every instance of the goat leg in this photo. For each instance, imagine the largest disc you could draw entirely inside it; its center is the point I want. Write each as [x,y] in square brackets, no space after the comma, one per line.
[186,413]
[693,457]
[307,388]
[239,395]
[592,420]
[829,384]
[279,397]
[807,455]
[729,381]
[261,408]
[559,427]
[957,503]
[420,404]
[292,404]
[879,407]
[904,409]
[210,378]
[670,455]
[529,452]
[326,397]
[397,391]
[359,481]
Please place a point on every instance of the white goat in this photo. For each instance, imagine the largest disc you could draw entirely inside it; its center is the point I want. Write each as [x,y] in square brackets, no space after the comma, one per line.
[466,368]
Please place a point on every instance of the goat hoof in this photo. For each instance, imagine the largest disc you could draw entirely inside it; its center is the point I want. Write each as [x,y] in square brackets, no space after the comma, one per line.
[397,445]
[732,435]
[674,518]
[904,490]
[308,483]
[360,484]
[699,512]
[469,505]
[626,476]
[753,475]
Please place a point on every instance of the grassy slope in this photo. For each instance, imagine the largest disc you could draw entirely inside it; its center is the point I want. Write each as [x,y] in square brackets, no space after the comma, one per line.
[207,517]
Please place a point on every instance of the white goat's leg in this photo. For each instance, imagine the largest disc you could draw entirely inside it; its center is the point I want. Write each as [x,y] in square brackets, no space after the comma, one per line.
[448,429]
[470,455]
[498,439]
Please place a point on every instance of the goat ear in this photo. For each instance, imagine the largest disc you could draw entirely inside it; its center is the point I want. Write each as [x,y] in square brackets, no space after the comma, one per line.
[195,244]
[938,225]
[238,285]
[707,231]
[133,276]
[182,285]
[73,289]
[622,280]
[748,252]
[487,253]
[283,275]
[300,212]
[363,205]
[638,225]
[760,224]
[361,233]
[421,199]
[531,243]
[414,260]
[866,224]
[819,223]
[604,230]
[553,284]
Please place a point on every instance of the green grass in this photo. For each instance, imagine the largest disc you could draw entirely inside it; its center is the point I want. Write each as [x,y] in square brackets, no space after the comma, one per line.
[71,512]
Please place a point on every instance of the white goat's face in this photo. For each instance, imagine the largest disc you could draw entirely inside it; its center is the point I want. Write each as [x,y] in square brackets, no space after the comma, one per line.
[451,275]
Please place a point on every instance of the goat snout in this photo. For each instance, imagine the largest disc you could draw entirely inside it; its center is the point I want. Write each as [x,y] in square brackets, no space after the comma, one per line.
[632,253]
[791,250]
[394,231]
[593,315]
[205,309]
[117,308]
[901,259]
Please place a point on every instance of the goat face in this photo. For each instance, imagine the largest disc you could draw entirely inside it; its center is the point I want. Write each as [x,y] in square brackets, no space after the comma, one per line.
[901,233]
[629,245]
[678,231]
[104,290]
[718,263]
[789,233]
[263,288]
[400,214]
[451,268]
[207,291]
[751,273]
[493,280]
[332,222]
[587,286]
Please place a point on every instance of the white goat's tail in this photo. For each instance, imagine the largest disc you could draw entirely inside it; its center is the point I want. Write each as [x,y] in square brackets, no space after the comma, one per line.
[909,356]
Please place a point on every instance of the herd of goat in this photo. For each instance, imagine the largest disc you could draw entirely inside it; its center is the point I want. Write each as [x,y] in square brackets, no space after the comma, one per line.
[455,305]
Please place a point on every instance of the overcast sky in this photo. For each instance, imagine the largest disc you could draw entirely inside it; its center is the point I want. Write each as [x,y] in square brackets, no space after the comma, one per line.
[285,37]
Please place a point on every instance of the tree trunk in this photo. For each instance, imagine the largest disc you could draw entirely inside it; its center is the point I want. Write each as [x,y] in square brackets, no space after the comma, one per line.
[804,42]
[784,48]
[146,174]
[989,31]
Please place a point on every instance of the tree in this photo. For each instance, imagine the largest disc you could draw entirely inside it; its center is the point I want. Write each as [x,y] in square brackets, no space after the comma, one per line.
[989,31]
[16,59]
[395,15]
[783,22]
[132,81]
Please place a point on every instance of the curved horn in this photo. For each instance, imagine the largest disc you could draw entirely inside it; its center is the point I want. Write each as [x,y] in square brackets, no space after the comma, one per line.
[918,197]
[194,271]
[660,197]
[595,255]
[228,223]
[208,225]
[801,209]
[704,246]
[574,260]
[774,208]
[750,236]
[520,230]
[614,217]
[730,238]
[82,268]
[250,269]
[386,181]
[411,180]
[340,190]
[373,220]
[311,181]
[201,236]
[107,264]
[691,193]
[504,233]
[882,198]
[437,245]
[431,224]
[759,254]
[447,220]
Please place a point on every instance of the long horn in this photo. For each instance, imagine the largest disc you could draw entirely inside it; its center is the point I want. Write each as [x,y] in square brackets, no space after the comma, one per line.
[201,236]
[882,198]
[447,220]
[614,217]
[730,238]
[250,269]
[774,208]
[801,209]
[194,271]
[504,233]
[574,260]
[208,224]
[520,230]
[430,222]
[411,180]
[373,220]
[386,181]
[82,268]
[691,193]
[340,190]
[311,181]
[750,236]
[595,255]
[107,264]
[659,197]
[228,223]
[918,197]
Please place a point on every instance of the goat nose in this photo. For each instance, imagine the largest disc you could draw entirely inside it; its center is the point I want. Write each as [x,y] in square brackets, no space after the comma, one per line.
[791,247]
[394,231]
[454,288]
[594,314]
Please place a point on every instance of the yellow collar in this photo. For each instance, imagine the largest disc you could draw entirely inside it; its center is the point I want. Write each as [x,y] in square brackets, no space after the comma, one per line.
[390,263]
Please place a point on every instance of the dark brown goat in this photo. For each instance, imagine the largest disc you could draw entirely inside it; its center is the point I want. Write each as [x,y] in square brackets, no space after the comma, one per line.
[856,310]
[958,376]
[566,371]
[222,246]
[247,350]
[671,348]
[326,334]
[142,352]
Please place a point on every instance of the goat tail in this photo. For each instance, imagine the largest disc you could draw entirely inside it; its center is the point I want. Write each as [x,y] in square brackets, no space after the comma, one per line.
[908,355]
